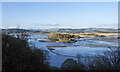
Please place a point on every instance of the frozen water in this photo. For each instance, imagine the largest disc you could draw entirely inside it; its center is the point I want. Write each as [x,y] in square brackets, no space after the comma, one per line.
[60,54]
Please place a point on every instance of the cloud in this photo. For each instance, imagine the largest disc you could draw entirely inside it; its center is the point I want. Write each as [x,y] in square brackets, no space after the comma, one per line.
[47,24]
[112,25]
[2,27]
[13,27]
[53,24]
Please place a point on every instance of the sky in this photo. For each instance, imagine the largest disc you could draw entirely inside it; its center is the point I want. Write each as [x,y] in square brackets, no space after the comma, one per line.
[45,15]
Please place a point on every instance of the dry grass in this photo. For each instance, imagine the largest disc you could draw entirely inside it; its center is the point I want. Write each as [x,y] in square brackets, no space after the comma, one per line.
[94,34]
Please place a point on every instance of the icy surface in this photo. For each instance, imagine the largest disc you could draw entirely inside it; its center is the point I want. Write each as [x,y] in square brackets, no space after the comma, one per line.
[86,46]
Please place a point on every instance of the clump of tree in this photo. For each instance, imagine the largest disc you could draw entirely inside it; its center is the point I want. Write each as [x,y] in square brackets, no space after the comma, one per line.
[71,64]
[110,60]
[99,35]
[18,55]
[65,38]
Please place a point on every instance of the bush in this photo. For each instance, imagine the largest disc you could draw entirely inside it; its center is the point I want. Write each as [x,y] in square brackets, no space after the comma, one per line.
[17,55]
[109,61]
[71,64]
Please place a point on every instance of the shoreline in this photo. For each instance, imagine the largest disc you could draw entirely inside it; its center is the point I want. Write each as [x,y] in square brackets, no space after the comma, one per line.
[79,34]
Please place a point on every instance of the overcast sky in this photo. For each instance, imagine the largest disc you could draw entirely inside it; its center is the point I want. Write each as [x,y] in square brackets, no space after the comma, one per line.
[44,15]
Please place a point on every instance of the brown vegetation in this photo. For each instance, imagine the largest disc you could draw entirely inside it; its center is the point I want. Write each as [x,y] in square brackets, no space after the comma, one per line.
[66,38]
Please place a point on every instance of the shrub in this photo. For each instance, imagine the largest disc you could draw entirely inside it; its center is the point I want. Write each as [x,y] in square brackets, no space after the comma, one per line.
[110,60]
[69,64]
[17,55]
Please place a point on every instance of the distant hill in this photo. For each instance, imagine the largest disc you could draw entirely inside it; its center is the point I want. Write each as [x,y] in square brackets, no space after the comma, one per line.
[53,30]
[62,30]
[100,30]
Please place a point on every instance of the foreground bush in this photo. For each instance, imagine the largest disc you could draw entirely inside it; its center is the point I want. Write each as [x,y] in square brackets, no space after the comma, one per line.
[17,55]
[110,60]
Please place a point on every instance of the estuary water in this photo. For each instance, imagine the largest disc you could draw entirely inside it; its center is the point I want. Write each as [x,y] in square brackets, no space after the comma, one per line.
[84,46]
